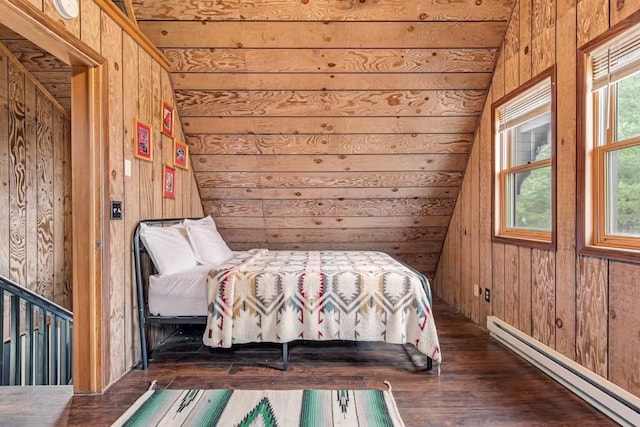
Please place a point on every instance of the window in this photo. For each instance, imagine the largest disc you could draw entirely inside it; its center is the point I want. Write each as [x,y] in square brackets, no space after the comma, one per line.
[612,144]
[524,150]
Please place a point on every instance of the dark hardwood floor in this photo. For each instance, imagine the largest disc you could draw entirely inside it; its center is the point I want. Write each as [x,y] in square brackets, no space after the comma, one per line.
[481,383]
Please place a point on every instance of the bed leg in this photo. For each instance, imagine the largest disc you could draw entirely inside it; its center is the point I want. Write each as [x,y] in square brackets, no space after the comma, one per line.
[143,347]
[429,364]
[285,356]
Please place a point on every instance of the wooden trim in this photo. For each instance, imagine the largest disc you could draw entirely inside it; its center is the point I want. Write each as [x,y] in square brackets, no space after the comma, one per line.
[524,237]
[30,76]
[131,13]
[89,166]
[588,226]
[90,328]
[132,30]
[25,19]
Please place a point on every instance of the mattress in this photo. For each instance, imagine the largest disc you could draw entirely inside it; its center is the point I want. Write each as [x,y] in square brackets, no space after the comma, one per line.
[179,294]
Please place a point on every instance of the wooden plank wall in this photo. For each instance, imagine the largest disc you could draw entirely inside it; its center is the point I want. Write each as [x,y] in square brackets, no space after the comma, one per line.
[137,85]
[330,125]
[35,197]
[581,306]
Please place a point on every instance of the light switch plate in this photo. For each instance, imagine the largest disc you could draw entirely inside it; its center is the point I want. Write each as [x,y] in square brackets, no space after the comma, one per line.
[127,168]
[116,210]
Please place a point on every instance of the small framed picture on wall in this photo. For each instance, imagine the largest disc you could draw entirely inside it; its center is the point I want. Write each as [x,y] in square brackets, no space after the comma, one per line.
[168,182]
[143,143]
[180,155]
[167,119]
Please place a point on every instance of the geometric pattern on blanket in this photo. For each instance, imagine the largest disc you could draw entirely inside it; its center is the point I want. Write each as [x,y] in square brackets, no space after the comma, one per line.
[282,296]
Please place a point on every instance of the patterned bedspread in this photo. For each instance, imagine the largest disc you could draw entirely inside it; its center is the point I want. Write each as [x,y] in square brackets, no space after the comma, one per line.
[281,296]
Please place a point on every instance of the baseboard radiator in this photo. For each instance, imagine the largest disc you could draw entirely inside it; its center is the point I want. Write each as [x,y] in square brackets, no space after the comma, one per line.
[618,404]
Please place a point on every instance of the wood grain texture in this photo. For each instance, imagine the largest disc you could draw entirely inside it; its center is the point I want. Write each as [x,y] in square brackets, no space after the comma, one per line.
[45,196]
[340,81]
[342,235]
[332,222]
[592,316]
[619,10]
[17,176]
[566,146]
[525,40]
[524,290]
[5,162]
[323,10]
[31,202]
[330,144]
[485,211]
[498,274]
[593,19]
[322,35]
[511,281]
[390,248]
[111,42]
[624,326]
[59,285]
[90,28]
[208,193]
[378,208]
[543,300]
[330,60]
[68,232]
[327,163]
[327,179]
[131,195]
[71,25]
[329,125]
[330,103]
[543,51]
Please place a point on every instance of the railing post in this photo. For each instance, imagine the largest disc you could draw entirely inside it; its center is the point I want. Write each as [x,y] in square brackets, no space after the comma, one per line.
[54,349]
[29,345]
[16,348]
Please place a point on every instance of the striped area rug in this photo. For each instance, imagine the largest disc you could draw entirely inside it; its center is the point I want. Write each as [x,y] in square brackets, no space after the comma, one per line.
[266,408]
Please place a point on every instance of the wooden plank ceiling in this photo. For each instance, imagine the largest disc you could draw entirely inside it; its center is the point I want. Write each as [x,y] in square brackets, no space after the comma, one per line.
[330,124]
[53,74]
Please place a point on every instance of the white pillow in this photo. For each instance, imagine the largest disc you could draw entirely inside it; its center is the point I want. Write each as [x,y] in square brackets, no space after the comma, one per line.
[207,221]
[168,248]
[208,245]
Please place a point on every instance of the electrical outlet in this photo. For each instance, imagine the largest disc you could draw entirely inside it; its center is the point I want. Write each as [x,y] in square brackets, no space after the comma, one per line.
[476,290]
[487,295]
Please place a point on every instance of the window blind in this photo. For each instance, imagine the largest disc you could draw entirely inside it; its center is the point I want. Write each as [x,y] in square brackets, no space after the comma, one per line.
[532,103]
[616,60]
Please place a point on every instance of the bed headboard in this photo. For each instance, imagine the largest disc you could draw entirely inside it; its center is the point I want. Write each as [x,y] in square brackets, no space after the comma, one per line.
[142,262]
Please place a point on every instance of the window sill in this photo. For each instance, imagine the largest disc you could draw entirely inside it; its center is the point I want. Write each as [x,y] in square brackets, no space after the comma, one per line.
[530,243]
[617,254]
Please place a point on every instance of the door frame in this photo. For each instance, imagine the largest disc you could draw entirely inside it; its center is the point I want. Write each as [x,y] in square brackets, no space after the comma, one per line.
[89,195]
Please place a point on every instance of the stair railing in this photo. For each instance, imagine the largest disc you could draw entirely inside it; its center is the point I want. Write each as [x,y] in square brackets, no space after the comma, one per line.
[36,338]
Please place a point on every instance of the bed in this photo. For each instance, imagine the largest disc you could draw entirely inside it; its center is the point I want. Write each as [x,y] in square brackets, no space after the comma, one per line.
[281,296]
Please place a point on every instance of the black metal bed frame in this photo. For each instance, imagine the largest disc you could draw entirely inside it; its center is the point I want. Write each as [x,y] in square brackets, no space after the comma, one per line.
[146,318]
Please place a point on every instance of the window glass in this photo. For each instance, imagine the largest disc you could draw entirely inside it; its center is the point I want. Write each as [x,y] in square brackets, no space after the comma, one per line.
[628,108]
[530,199]
[531,141]
[623,191]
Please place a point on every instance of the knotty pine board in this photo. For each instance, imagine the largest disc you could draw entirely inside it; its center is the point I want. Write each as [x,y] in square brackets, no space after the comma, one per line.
[323,10]
[330,144]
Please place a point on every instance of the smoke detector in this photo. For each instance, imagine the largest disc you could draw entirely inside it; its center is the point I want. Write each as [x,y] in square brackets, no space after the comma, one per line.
[68,9]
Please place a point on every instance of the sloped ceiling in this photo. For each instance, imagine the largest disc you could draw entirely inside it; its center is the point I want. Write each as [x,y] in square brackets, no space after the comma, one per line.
[330,124]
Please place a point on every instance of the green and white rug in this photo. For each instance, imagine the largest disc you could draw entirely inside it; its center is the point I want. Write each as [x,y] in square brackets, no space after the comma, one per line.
[244,408]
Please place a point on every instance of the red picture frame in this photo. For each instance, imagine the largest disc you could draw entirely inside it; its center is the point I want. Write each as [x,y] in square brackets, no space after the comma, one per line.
[167,119]
[168,182]
[180,155]
[143,148]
